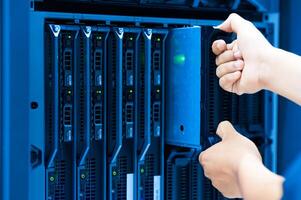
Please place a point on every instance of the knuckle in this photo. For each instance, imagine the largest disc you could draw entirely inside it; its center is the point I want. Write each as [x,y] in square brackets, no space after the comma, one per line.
[207,174]
[217,60]
[222,82]
[217,72]
[228,78]
[201,158]
[233,15]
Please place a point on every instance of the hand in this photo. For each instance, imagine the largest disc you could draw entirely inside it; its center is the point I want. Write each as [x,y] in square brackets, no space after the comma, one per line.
[221,162]
[241,64]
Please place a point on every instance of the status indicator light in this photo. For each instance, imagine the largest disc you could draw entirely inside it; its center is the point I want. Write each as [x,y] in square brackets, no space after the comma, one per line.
[82,176]
[51,178]
[114,173]
[179,59]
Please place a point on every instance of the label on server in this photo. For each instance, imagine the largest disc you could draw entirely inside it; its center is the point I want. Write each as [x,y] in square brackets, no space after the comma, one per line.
[129,186]
[157,186]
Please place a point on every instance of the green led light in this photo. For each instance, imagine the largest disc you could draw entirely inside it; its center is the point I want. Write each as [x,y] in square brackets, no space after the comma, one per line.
[158,91]
[142,170]
[69,92]
[98,91]
[179,59]
[131,91]
[114,173]
[131,38]
[69,36]
[158,39]
[98,37]
[51,178]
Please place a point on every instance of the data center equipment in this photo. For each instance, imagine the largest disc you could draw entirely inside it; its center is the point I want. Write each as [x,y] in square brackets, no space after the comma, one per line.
[121,98]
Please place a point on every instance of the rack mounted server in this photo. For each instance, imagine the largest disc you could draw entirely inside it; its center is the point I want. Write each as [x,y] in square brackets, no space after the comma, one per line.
[125,104]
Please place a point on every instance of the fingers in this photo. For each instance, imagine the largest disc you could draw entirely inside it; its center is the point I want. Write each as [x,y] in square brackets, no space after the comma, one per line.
[231,45]
[232,23]
[227,81]
[237,53]
[219,46]
[225,129]
[227,56]
[229,67]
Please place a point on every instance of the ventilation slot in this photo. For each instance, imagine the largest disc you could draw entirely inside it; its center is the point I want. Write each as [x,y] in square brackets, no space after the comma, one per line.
[156,112]
[212,89]
[90,187]
[256,108]
[196,179]
[208,190]
[156,60]
[67,59]
[82,91]
[98,59]
[114,89]
[67,115]
[184,183]
[49,89]
[59,192]
[142,89]
[121,186]
[149,181]
[170,181]
[97,114]
[129,55]
[129,113]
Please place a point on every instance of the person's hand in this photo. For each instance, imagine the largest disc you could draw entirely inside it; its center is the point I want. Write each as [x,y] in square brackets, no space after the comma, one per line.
[241,64]
[235,168]
[222,161]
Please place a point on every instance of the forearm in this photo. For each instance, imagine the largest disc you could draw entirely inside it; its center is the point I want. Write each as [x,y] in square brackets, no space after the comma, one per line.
[282,74]
[257,182]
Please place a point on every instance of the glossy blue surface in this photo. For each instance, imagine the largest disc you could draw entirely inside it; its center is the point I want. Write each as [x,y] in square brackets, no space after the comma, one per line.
[183,85]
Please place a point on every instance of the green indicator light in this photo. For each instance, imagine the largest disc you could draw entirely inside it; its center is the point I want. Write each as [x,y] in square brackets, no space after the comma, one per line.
[179,59]
[131,91]
[51,178]
[69,36]
[98,37]
[114,173]
[69,92]
[158,39]
[98,91]
[83,176]
[142,170]
[158,91]
[131,38]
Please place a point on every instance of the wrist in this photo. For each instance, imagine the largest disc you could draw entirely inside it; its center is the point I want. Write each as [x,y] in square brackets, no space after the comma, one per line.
[257,182]
[267,68]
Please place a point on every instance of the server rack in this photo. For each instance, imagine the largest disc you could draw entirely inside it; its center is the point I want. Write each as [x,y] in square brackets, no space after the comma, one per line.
[92,140]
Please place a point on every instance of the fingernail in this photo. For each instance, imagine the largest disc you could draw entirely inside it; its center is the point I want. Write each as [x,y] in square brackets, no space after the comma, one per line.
[238,64]
[237,54]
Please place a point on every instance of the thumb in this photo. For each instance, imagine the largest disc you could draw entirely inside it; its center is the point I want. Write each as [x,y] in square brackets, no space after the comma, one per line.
[225,129]
[231,24]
